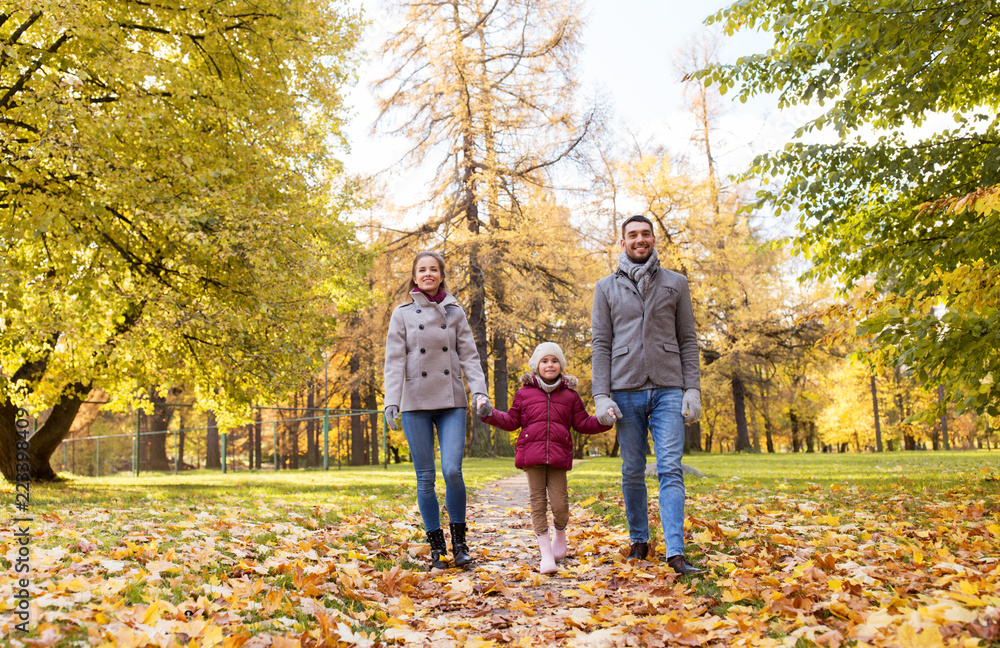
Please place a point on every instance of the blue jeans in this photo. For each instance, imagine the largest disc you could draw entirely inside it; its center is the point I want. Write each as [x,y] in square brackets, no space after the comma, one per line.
[659,411]
[419,429]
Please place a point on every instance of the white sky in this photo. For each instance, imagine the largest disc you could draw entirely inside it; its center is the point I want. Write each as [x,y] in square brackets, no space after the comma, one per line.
[629,52]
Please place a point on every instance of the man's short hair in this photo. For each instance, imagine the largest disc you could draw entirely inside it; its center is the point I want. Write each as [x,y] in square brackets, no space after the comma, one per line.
[640,218]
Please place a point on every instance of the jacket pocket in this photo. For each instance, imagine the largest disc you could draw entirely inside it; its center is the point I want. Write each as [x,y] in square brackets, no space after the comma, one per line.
[620,351]
[670,347]
[411,365]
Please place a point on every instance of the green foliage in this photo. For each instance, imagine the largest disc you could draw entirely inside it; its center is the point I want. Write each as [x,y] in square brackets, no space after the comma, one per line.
[170,210]
[888,74]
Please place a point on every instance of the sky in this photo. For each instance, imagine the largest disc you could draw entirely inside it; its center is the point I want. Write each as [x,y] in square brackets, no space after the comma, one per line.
[628,56]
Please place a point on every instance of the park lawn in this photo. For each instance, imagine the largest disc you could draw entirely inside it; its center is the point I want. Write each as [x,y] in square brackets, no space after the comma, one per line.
[893,549]
[216,559]
[871,549]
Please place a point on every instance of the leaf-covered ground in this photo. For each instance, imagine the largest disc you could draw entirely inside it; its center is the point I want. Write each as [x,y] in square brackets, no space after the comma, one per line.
[862,550]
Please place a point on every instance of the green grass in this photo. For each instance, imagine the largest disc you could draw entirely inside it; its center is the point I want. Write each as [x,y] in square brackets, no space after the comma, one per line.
[771,474]
[353,488]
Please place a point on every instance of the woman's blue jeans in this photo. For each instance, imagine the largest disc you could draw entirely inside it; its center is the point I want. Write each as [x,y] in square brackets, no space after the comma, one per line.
[657,411]
[419,428]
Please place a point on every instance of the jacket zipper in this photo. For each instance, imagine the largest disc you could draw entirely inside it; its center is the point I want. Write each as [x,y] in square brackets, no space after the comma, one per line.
[548,424]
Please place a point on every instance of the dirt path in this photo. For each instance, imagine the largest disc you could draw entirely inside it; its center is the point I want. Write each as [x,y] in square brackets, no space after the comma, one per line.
[502,599]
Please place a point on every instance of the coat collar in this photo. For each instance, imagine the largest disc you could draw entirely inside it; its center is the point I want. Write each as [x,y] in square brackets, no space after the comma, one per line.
[420,299]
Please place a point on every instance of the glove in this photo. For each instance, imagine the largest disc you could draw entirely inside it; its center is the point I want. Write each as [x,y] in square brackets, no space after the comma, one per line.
[391,415]
[691,405]
[607,410]
[483,405]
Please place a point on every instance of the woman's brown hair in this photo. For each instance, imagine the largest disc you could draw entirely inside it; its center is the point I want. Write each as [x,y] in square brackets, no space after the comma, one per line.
[437,257]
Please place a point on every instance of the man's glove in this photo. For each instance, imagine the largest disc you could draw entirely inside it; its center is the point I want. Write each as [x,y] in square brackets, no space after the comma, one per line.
[391,415]
[483,405]
[691,405]
[607,410]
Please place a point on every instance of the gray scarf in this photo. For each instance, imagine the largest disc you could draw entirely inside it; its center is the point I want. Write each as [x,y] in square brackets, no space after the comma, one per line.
[640,274]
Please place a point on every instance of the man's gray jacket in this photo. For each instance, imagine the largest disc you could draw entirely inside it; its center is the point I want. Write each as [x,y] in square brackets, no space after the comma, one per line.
[639,345]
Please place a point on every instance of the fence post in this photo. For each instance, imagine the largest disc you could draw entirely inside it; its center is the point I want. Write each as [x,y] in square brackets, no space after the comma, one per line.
[97,470]
[326,439]
[64,444]
[274,428]
[223,444]
[135,443]
[177,451]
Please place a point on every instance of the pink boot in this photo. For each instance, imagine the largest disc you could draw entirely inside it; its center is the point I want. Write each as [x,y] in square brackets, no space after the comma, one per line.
[548,564]
[559,545]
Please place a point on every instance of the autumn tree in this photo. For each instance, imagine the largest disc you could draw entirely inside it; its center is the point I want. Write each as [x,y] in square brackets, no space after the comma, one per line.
[907,191]
[169,203]
[485,91]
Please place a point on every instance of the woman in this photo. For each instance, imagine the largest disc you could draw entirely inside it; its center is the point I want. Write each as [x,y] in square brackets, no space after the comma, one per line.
[428,349]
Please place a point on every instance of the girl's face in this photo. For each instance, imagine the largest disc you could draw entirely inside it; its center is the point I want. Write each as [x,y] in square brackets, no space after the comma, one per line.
[427,275]
[549,368]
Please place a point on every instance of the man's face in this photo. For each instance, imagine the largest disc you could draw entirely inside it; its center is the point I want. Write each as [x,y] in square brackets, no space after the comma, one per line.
[638,241]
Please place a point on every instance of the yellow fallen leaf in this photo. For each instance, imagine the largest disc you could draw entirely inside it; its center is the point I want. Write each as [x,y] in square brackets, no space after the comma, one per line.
[929,638]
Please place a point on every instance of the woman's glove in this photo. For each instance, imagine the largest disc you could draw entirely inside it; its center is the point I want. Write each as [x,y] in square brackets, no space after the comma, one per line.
[691,405]
[607,410]
[391,415]
[483,406]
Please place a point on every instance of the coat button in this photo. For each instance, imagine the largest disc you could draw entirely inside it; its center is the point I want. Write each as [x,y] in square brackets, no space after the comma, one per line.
[423,373]
[418,310]
[421,327]
[423,350]
[446,372]
[444,326]
[444,348]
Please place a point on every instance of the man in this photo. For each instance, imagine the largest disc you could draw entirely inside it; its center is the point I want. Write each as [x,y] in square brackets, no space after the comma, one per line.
[646,371]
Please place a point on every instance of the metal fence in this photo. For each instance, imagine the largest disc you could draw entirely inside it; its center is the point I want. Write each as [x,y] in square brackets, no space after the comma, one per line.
[257,446]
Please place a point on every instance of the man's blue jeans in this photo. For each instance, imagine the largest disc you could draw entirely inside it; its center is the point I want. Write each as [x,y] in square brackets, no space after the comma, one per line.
[419,428]
[657,411]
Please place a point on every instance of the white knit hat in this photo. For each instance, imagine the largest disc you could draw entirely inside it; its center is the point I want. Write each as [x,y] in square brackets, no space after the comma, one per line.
[545,349]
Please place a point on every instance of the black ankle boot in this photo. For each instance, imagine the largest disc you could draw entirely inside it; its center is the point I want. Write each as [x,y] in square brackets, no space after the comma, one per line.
[438,549]
[459,549]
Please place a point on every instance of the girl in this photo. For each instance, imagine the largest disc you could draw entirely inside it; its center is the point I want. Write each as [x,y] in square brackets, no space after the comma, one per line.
[545,408]
[428,349]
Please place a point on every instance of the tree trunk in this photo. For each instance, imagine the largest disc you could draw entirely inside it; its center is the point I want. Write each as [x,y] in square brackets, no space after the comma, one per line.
[155,436]
[481,445]
[257,442]
[180,440]
[371,404]
[739,407]
[293,437]
[692,437]
[251,434]
[754,433]
[944,418]
[358,442]
[213,458]
[793,417]
[312,448]
[502,446]
[810,435]
[878,423]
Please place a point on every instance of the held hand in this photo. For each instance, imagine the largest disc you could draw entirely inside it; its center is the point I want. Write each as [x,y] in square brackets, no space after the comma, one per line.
[391,415]
[691,405]
[607,410]
[483,406]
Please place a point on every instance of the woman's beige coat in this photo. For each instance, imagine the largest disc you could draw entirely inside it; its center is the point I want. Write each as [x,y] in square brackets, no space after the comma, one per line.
[428,349]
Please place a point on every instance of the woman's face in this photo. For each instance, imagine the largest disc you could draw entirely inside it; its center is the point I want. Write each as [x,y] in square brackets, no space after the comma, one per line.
[427,275]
